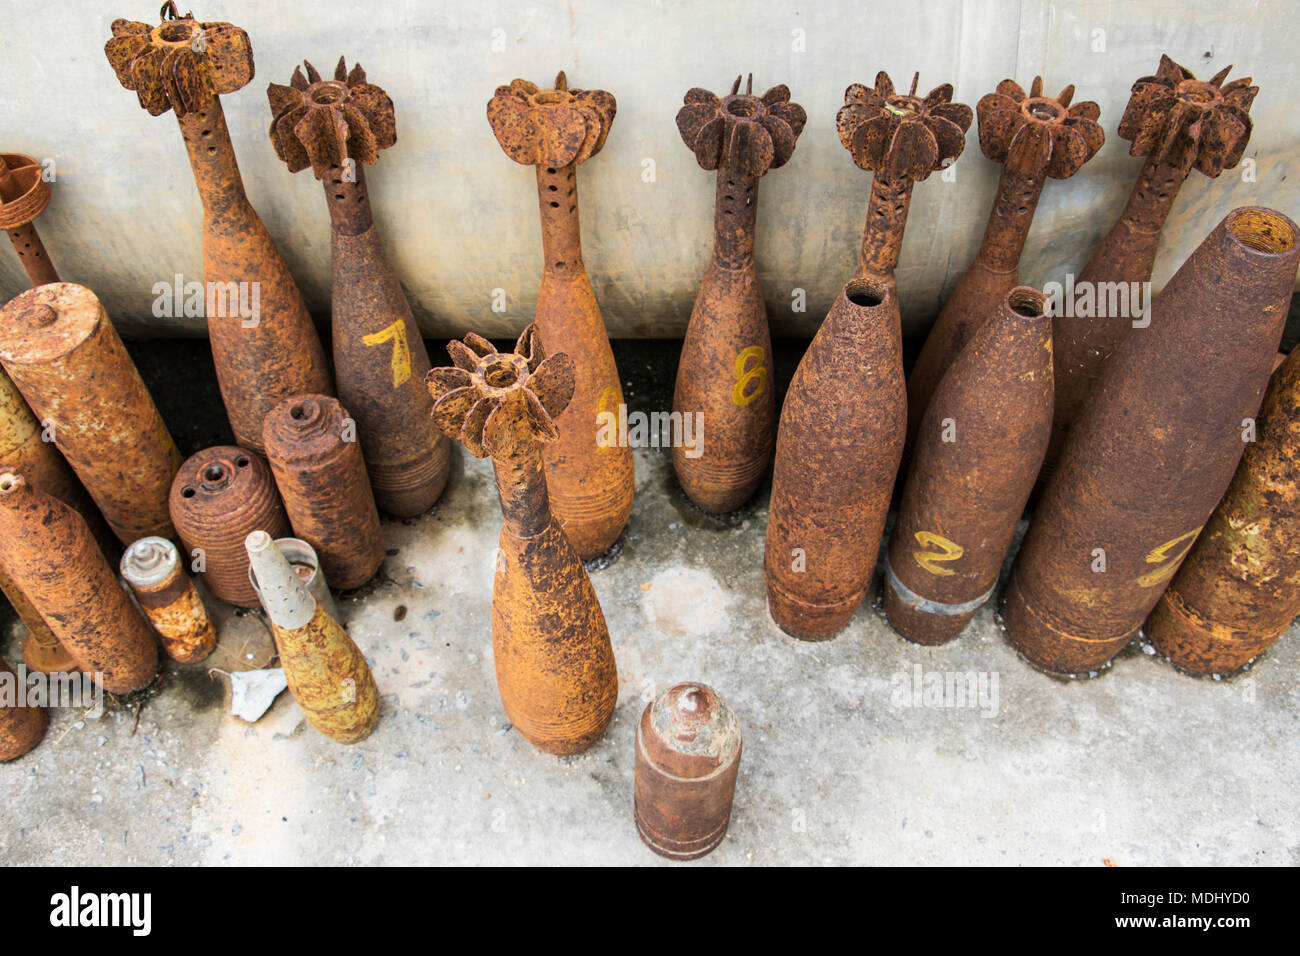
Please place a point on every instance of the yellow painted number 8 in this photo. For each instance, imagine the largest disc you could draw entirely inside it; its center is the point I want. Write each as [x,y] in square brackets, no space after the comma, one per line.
[745,373]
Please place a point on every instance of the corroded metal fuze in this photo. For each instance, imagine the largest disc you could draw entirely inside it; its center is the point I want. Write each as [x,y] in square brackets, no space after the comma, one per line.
[52,556]
[837,455]
[306,564]
[326,672]
[1034,138]
[724,375]
[320,471]
[977,452]
[1179,123]
[219,497]
[152,567]
[1155,448]
[688,747]
[24,194]
[590,484]
[22,726]
[380,361]
[554,663]
[1239,588]
[264,345]
[64,355]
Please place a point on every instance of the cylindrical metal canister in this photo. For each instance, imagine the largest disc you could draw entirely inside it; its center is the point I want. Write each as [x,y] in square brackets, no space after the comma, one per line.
[977,450]
[220,495]
[311,443]
[22,726]
[1239,588]
[152,567]
[50,553]
[304,561]
[62,352]
[327,673]
[1155,449]
[687,756]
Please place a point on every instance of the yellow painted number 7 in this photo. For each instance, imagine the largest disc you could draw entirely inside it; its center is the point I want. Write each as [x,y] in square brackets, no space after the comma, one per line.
[401,360]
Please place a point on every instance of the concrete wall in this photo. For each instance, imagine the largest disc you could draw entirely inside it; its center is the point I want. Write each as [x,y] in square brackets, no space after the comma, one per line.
[461,218]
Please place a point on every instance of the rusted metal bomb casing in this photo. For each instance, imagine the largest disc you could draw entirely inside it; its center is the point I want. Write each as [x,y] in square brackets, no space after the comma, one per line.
[303,559]
[219,497]
[976,456]
[320,471]
[52,556]
[837,454]
[724,374]
[554,663]
[688,747]
[61,350]
[380,361]
[152,567]
[1179,123]
[264,345]
[24,194]
[22,726]
[1239,588]
[1155,449]
[590,484]
[1034,137]
[326,671]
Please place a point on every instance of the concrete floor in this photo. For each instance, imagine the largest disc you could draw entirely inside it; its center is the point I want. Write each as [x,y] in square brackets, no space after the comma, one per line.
[1142,765]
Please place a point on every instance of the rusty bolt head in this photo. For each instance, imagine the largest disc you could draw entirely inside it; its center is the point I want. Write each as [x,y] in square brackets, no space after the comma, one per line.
[1035,134]
[741,131]
[552,127]
[907,137]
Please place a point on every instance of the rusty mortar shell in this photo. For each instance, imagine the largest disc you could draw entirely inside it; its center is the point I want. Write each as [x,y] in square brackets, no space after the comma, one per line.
[1239,588]
[264,345]
[52,556]
[318,466]
[554,662]
[555,129]
[1034,137]
[220,495]
[334,126]
[24,194]
[61,350]
[976,456]
[326,671]
[22,726]
[1179,123]
[837,455]
[1155,448]
[302,558]
[152,567]
[687,756]
[724,374]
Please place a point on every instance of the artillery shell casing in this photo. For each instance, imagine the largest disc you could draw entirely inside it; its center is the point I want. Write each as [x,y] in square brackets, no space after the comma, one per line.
[62,352]
[220,495]
[312,448]
[978,448]
[51,554]
[1239,588]
[1155,449]
[302,558]
[23,726]
[152,567]
[688,745]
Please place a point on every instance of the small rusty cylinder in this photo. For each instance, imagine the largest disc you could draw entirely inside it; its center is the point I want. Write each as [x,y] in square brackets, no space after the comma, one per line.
[1239,588]
[22,725]
[51,554]
[304,561]
[977,452]
[311,443]
[837,454]
[61,350]
[1155,449]
[24,194]
[220,495]
[45,655]
[152,567]
[327,673]
[687,756]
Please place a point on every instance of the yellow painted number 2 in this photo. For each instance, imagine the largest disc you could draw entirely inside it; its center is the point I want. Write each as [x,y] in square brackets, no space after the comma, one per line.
[401,361]
[1168,563]
[745,373]
[947,551]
